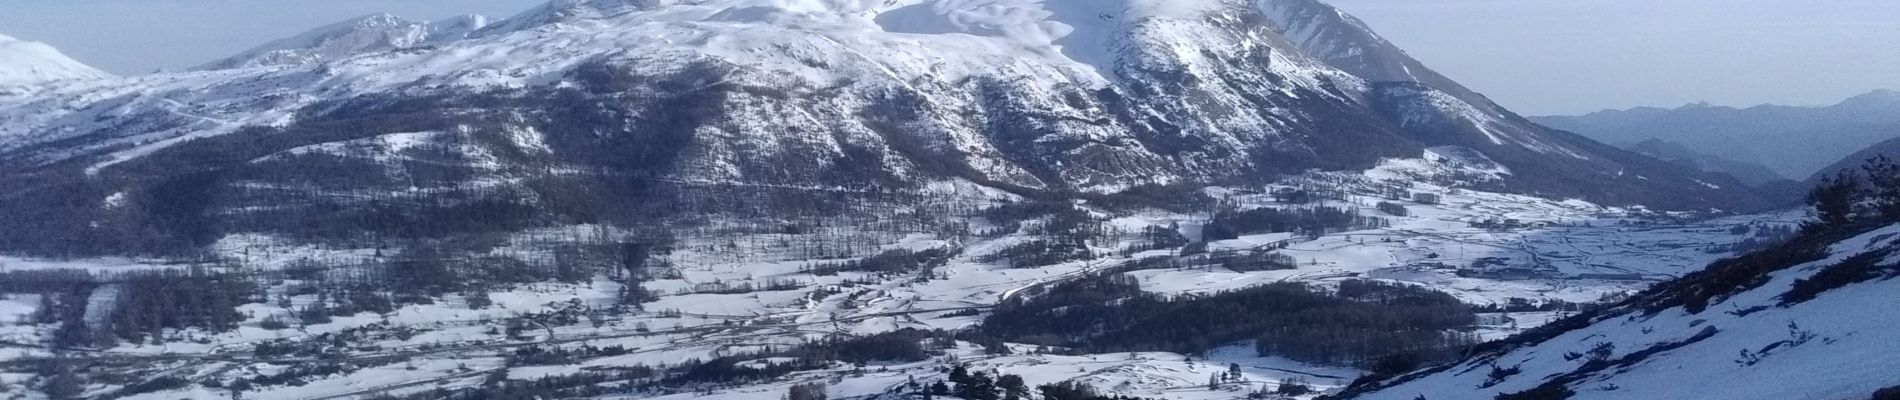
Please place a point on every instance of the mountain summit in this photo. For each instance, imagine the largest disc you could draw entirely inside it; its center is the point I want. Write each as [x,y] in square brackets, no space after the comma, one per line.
[25,62]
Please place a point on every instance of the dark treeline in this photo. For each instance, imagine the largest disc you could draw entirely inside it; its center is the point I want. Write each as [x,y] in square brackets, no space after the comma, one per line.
[1365,323]
[894,261]
[1156,237]
[1253,260]
[46,280]
[1519,304]
[1041,252]
[702,376]
[149,303]
[1309,221]
[1178,197]
[143,304]
[1070,390]
[1760,237]
[1380,326]
[425,271]
[1393,209]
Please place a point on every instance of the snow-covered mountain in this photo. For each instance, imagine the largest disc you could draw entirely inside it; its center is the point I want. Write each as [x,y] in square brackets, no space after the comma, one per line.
[780,98]
[25,62]
[1796,321]
[362,35]
[1347,43]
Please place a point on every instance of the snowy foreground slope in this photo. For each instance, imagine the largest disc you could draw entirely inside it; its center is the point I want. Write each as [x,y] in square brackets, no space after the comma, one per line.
[1776,340]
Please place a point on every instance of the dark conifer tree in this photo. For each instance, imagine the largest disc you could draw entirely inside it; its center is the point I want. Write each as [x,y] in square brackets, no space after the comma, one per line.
[1833,201]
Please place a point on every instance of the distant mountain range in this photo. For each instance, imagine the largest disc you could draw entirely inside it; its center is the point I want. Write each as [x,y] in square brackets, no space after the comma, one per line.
[1749,173]
[1793,141]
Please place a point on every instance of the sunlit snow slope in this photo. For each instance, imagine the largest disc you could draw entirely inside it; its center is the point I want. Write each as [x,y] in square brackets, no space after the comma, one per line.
[1732,332]
[24,62]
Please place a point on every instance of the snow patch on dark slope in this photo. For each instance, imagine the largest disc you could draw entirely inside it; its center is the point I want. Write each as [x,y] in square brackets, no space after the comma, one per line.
[1797,321]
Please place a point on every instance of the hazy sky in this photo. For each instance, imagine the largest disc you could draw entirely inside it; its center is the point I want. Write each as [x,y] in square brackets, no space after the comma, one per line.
[1535,56]
[139,36]
[1572,56]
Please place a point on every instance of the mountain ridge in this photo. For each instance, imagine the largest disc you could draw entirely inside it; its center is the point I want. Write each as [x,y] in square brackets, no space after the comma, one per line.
[1889,149]
[1748,173]
[1793,140]
[361,35]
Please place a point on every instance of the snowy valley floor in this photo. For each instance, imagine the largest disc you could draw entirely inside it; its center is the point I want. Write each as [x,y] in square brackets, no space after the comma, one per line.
[1571,251]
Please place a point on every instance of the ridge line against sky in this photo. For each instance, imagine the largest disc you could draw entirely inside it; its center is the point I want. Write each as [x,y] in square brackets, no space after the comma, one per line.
[1534,56]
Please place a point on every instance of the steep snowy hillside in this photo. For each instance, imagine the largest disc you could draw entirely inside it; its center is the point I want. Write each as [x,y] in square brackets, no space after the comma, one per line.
[23,62]
[362,35]
[1348,44]
[1801,320]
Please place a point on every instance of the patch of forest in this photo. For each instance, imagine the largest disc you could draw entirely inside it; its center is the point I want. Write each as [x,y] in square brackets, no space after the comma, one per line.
[1366,323]
[1309,221]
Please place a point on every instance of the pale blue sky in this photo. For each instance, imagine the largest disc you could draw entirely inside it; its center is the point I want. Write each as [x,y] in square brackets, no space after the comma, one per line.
[139,36]
[1572,56]
[1535,56]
